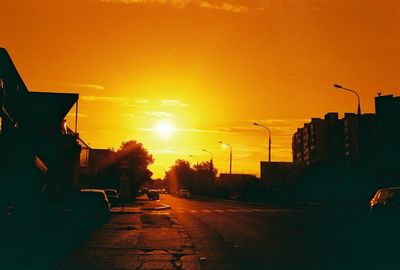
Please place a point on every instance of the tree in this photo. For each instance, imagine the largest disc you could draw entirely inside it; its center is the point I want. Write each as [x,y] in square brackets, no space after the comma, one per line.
[179,175]
[133,160]
[204,177]
[199,179]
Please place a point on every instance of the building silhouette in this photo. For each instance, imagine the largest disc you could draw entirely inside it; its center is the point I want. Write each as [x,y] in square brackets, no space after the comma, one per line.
[387,165]
[319,142]
[353,155]
[39,154]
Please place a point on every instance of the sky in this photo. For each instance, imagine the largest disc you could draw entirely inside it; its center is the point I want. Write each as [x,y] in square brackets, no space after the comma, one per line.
[181,75]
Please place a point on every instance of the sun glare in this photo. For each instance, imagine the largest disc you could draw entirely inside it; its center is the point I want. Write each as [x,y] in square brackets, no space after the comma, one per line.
[164,129]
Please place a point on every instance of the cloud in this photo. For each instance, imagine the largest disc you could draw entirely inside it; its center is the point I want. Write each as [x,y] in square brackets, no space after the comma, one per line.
[104,98]
[224,6]
[173,103]
[279,122]
[88,86]
[132,115]
[141,101]
[159,114]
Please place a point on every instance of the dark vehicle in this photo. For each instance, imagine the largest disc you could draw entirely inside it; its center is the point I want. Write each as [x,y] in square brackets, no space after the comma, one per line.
[184,193]
[112,196]
[386,200]
[89,207]
[153,194]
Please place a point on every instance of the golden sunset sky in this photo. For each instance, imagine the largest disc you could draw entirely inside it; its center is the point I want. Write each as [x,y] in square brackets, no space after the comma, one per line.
[207,68]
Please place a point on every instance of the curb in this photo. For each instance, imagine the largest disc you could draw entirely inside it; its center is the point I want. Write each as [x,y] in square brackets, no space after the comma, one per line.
[162,207]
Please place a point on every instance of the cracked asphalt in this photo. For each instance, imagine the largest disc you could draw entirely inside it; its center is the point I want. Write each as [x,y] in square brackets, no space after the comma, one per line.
[146,241]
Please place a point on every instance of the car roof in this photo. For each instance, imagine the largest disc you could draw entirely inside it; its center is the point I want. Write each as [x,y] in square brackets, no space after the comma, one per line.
[92,190]
[389,188]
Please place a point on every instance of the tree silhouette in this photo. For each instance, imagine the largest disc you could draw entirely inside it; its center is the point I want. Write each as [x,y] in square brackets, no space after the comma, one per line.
[199,179]
[180,175]
[204,179]
[134,160]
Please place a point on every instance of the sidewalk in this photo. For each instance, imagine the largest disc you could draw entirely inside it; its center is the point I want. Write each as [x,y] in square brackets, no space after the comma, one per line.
[141,203]
[142,240]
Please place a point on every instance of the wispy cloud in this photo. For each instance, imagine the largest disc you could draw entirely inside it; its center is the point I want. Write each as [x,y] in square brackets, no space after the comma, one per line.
[225,6]
[173,103]
[104,98]
[141,101]
[279,122]
[88,86]
[132,115]
[78,86]
[159,114]
[136,103]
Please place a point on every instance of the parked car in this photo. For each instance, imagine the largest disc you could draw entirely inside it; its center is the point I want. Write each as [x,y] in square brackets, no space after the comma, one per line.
[112,196]
[184,193]
[90,206]
[153,194]
[386,199]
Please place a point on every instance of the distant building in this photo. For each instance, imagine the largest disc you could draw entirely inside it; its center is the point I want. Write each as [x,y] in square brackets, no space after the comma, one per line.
[387,139]
[332,140]
[236,184]
[281,179]
[319,142]
[359,138]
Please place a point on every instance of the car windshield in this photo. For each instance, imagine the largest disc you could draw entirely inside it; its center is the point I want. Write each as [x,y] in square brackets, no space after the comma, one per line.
[393,195]
[91,198]
[111,193]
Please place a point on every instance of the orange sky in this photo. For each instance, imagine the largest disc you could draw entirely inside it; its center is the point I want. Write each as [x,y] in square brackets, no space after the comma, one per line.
[208,67]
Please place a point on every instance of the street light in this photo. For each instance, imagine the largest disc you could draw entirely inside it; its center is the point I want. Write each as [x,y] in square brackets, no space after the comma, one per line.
[212,156]
[350,90]
[230,156]
[269,140]
[195,158]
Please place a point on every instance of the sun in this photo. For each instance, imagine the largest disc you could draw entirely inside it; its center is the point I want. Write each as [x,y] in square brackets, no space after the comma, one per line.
[164,129]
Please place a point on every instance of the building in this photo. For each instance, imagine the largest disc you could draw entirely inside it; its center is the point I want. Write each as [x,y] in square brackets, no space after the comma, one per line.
[387,139]
[238,185]
[282,180]
[359,138]
[39,154]
[319,142]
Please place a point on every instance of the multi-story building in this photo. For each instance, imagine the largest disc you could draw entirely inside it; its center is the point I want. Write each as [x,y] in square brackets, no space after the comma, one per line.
[319,141]
[359,137]
[387,139]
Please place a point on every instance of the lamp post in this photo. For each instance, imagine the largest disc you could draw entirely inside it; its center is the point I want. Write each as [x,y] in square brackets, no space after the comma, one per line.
[230,156]
[212,156]
[197,159]
[269,140]
[351,90]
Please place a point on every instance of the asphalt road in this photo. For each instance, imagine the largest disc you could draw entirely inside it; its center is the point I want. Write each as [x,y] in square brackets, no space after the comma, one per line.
[232,235]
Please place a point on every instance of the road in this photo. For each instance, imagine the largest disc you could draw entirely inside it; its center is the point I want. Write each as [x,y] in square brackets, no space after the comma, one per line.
[209,234]
[232,235]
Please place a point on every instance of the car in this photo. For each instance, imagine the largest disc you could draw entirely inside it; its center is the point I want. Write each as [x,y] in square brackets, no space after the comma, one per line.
[184,193]
[112,196]
[91,206]
[153,194]
[386,199]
